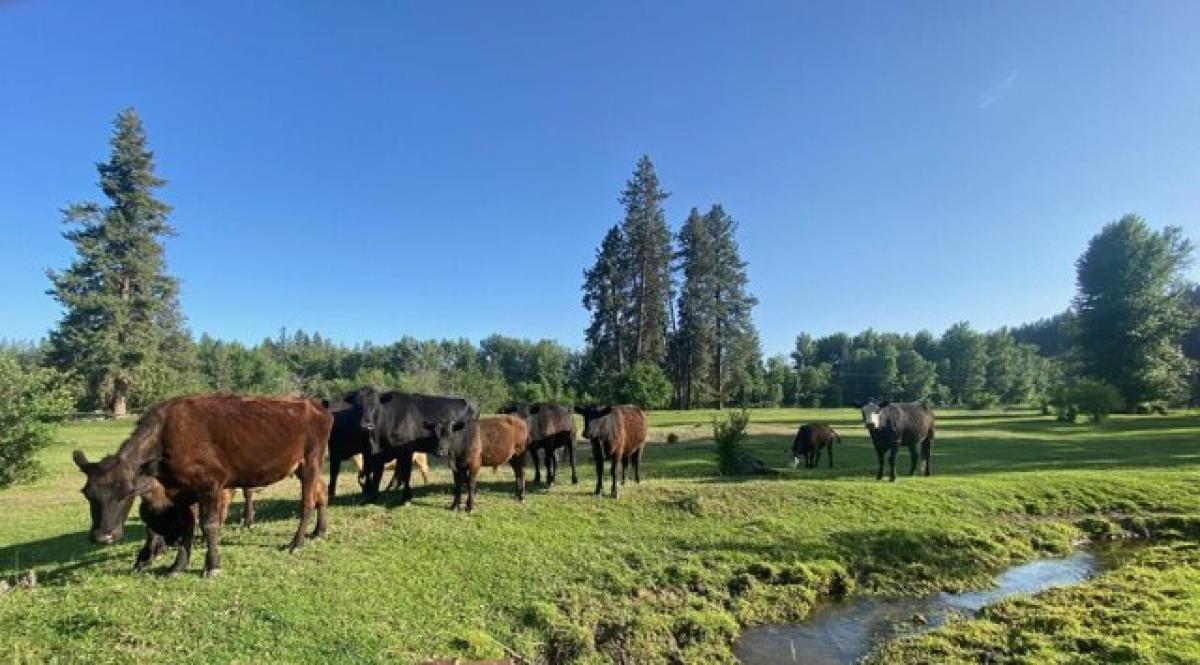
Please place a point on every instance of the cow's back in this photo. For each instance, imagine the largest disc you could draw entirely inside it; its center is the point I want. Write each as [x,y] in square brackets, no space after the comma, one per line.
[240,441]
[500,439]
[632,428]
[908,421]
[550,420]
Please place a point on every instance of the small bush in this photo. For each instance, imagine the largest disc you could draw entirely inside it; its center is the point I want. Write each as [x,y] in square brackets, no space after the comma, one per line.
[983,400]
[729,436]
[32,402]
[672,438]
[1095,398]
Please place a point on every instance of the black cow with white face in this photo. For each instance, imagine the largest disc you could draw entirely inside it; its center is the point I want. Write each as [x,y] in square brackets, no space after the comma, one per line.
[891,424]
[394,423]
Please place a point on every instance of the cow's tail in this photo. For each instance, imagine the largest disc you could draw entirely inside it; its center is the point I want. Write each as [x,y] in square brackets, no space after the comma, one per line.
[836,437]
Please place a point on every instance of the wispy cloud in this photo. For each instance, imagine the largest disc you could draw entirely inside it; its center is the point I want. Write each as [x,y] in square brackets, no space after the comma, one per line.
[997,91]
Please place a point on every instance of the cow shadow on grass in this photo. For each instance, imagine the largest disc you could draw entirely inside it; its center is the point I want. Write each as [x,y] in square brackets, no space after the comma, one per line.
[57,557]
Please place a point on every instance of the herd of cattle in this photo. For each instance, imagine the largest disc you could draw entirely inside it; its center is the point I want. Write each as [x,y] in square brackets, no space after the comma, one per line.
[186,456]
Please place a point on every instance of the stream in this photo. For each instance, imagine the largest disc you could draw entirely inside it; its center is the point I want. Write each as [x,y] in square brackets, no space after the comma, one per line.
[847,630]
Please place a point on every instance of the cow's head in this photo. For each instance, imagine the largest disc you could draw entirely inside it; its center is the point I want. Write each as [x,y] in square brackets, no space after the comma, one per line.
[367,402]
[801,446]
[594,424]
[447,434]
[514,409]
[112,484]
[870,413]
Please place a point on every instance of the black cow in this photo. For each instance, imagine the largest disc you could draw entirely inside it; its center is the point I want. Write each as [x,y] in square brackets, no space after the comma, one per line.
[394,423]
[893,424]
[551,426]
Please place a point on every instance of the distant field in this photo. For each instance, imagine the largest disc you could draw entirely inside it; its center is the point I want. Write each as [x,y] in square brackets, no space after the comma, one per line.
[670,571]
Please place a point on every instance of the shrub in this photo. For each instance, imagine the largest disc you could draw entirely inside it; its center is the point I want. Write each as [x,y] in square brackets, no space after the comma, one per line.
[32,401]
[644,384]
[672,438]
[1095,398]
[729,435]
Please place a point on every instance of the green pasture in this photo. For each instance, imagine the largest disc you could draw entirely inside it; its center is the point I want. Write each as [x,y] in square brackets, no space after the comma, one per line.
[669,572]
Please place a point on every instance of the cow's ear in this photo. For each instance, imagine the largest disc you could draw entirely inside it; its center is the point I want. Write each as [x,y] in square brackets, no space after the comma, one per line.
[533,410]
[458,425]
[884,403]
[81,460]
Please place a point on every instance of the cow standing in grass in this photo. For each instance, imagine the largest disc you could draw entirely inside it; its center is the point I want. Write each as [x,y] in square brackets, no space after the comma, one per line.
[472,444]
[891,424]
[190,450]
[394,425]
[348,441]
[810,440]
[551,426]
[617,433]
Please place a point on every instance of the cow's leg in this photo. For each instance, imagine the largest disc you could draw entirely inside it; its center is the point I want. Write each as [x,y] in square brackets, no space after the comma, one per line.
[927,454]
[321,499]
[913,458]
[618,468]
[598,458]
[248,508]
[335,467]
[458,485]
[518,467]
[571,459]
[210,523]
[308,498]
[831,454]
[816,457]
[892,461]
[153,546]
[185,544]
[423,466]
[472,481]
[537,466]
[404,473]
[879,450]
[551,463]
[371,476]
[637,465]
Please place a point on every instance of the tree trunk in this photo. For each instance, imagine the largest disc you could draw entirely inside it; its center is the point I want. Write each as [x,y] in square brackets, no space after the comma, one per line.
[119,408]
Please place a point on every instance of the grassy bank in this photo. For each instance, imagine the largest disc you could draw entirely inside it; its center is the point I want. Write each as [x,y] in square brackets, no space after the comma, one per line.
[670,571]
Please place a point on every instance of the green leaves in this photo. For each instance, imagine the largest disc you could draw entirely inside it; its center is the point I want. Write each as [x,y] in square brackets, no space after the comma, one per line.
[33,400]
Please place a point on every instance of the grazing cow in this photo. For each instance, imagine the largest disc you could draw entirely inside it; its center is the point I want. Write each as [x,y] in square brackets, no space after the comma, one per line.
[191,449]
[395,425]
[551,426]
[810,440]
[347,440]
[891,424]
[617,433]
[471,444]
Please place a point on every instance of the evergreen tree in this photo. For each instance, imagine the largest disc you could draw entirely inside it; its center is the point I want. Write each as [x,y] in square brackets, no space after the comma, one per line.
[646,265]
[1132,309]
[963,365]
[121,322]
[731,302]
[693,337]
[605,295]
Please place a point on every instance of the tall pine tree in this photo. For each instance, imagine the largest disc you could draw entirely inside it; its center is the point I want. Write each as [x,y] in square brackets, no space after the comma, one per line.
[693,334]
[121,309]
[647,265]
[735,341]
[605,295]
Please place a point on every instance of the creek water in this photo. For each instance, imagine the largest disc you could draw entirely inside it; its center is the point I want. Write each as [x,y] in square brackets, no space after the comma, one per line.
[845,631]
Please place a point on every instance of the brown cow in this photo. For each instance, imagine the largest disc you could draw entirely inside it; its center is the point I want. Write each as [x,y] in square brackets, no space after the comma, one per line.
[191,449]
[618,433]
[471,444]
[810,440]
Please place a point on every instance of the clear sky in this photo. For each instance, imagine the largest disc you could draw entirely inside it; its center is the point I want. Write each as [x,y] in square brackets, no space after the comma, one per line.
[446,169]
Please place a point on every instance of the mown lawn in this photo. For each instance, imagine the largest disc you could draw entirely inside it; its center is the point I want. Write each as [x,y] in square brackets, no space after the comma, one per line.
[668,572]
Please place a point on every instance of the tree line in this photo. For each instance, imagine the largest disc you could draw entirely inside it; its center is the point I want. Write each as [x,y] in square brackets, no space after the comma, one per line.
[670,325]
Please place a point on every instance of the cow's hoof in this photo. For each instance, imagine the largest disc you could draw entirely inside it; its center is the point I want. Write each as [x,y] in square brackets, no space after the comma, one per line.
[211,573]
[574,481]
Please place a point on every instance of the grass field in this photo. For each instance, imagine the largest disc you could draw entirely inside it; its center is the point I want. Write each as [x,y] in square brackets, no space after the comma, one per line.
[670,572]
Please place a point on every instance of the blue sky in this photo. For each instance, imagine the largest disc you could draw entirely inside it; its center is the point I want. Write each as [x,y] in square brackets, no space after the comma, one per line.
[446,169]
